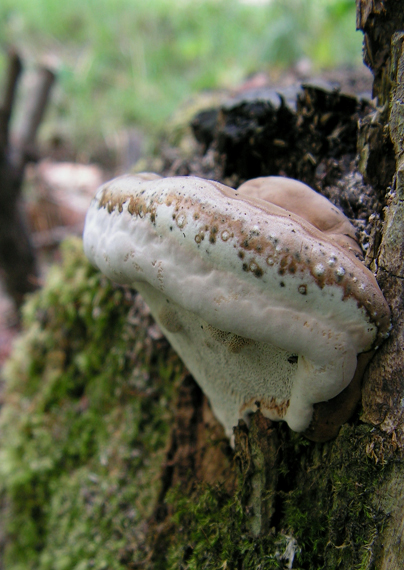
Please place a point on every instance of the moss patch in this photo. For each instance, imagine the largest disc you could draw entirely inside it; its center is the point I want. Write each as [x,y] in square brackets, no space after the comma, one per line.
[210,531]
[328,514]
[84,424]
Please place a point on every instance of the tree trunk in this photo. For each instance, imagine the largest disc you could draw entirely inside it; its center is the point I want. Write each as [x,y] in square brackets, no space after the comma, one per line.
[17,256]
[339,504]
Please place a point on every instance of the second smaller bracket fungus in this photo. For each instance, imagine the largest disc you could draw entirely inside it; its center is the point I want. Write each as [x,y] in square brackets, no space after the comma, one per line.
[299,198]
[266,310]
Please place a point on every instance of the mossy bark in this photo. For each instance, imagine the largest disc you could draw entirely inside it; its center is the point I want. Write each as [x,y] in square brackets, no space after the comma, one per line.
[334,505]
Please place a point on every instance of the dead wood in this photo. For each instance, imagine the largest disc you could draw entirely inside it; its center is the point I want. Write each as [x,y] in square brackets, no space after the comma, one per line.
[17,256]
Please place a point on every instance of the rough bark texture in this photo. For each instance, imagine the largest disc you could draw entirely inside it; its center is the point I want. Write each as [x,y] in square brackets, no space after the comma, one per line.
[379,20]
[383,24]
[384,385]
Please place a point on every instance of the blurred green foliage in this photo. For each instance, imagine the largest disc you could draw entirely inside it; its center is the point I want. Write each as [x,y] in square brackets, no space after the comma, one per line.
[132,62]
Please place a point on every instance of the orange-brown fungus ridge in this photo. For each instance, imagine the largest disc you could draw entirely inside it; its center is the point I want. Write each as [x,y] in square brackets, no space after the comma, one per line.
[259,290]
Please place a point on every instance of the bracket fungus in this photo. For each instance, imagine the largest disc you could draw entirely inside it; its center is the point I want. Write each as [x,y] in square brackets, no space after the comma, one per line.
[267,308]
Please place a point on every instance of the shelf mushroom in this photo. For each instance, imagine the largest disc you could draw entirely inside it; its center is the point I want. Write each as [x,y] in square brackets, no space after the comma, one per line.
[267,308]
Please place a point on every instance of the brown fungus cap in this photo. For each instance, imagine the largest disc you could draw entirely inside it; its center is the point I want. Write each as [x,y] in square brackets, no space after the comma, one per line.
[266,310]
[299,198]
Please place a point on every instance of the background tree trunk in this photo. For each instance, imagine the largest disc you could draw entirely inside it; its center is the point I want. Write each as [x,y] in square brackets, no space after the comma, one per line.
[17,256]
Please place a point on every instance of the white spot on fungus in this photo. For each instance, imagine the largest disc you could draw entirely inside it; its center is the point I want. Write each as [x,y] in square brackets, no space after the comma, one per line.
[181,220]
[319,269]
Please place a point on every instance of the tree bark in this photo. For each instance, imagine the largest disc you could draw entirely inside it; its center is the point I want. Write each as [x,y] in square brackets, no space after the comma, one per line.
[384,384]
[17,256]
[359,473]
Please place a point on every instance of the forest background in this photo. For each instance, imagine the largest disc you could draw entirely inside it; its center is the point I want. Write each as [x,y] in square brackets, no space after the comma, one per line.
[122,63]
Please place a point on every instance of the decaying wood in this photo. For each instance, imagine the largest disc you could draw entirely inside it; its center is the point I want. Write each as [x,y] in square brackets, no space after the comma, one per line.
[379,20]
[330,140]
[384,386]
[14,71]
[33,114]
[17,257]
[257,458]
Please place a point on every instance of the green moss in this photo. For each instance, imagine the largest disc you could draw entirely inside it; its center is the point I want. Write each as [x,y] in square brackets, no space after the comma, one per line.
[327,514]
[330,502]
[84,428]
[84,424]
[210,531]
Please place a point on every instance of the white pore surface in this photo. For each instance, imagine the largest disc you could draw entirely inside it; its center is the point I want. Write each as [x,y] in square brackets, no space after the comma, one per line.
[303,347]
[258,375]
